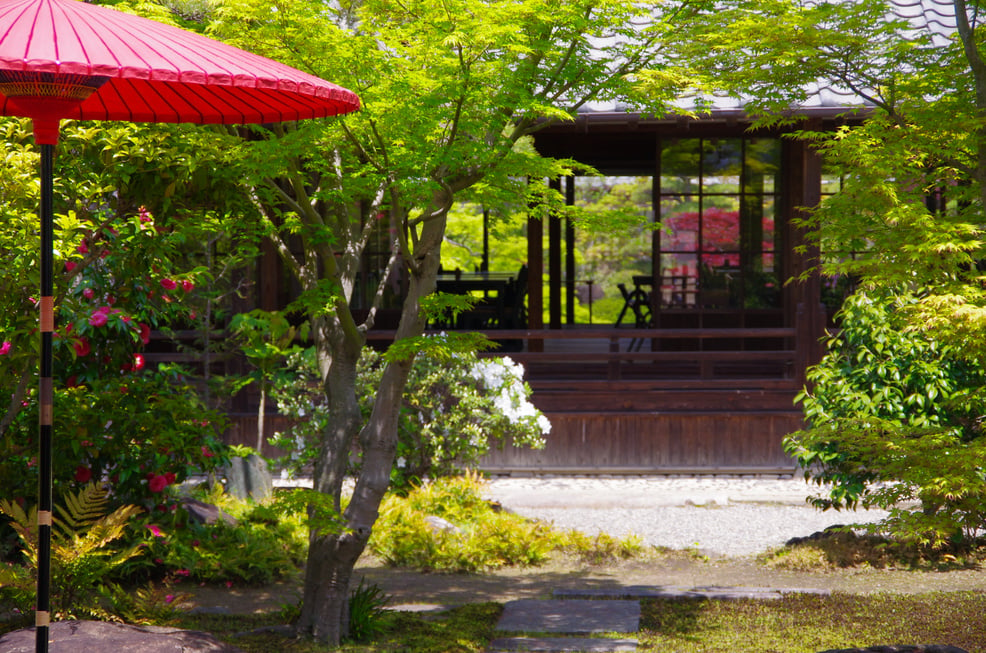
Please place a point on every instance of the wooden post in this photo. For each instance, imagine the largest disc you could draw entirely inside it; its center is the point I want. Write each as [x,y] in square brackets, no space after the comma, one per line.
[554,266]
[570,280]
[803,303]
[535,277]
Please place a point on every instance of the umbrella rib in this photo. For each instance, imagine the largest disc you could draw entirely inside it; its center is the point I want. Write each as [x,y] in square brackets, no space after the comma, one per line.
[82,42]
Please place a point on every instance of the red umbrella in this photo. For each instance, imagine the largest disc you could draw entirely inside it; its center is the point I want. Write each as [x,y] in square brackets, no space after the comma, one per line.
[64,59]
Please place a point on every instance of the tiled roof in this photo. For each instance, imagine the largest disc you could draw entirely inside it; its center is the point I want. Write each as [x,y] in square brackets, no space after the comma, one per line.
[936,18]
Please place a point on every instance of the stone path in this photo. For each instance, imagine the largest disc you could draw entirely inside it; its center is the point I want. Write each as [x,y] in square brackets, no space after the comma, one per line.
[567,622]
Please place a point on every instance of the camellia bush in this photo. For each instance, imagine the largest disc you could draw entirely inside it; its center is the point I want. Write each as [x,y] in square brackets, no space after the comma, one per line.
[116,421]
[896,421]
[456,405]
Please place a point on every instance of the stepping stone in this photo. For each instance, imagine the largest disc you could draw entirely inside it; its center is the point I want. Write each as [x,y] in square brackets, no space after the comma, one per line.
[673,592]
[562,645]
[571,617]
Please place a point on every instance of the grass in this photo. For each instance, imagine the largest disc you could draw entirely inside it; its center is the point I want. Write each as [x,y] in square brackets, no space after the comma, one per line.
[794,624]
[467,629]
[808,623]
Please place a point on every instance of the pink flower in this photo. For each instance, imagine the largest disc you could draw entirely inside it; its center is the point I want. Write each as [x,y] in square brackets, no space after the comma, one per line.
[82,347]
[88,293]
[83,474]
[70,265]
[138,362]
[168,284]
[5,347]
[72,382]
[157,484]
[145,333]
[206,453]
[155,530]
[182,572]
[187,285]
[168,598]
[145,215]
[229,583]
[82,248]
[98,319]
[170,477]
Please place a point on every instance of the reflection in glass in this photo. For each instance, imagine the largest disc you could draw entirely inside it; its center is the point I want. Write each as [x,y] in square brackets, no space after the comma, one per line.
[722,165]
[718,206]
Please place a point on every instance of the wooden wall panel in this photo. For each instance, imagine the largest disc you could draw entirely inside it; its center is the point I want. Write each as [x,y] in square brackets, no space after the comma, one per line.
[656,443]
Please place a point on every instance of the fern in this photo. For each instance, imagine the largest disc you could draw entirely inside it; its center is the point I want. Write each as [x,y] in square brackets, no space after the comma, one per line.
[81,559]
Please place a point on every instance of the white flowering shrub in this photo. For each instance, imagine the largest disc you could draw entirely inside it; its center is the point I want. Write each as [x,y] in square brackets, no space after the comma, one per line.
[455,407]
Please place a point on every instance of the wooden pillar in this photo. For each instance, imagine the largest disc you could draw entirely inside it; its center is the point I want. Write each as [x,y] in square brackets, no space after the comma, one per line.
[803,299]
[554,266]
[268,281]
[570,280]
[535,276]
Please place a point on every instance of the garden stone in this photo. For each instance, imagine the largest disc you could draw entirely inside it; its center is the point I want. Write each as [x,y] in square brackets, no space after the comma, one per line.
[247,477]
[439,525]
[206,513]
[99,637]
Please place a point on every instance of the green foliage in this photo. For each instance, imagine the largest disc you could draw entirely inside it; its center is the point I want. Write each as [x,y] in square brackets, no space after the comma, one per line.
[601,548]
[81,556]
[133,255]
[455,406]
[841,547]
[482,538]
[367,607]
[264,543]
[142,433]
[911,204]
[896,417]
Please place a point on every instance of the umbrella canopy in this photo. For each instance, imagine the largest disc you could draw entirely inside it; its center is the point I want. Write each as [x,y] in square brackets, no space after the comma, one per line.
[67,59]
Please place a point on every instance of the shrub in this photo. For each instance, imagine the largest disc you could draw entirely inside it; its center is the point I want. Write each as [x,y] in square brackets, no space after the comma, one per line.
[262,545]
[454,406]
[895,421]
[81,558]
[482,536]
[139,434]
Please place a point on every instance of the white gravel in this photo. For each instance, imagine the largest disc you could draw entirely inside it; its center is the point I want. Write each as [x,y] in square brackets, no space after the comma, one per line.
[718,516]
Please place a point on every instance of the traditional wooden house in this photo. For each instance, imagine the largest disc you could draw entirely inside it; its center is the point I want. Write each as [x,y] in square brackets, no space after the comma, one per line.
[700,370]
[723,309]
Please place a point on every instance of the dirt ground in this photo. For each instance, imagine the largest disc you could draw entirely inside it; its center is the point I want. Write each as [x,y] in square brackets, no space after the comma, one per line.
[412,589]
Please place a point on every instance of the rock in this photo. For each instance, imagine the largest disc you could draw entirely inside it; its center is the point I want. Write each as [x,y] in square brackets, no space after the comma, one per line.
[899,649]
[206,513]
[247,477]
[99,637]
[834,531]
[439,525]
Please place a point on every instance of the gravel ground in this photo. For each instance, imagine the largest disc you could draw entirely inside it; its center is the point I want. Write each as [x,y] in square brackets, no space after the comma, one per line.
[718,516]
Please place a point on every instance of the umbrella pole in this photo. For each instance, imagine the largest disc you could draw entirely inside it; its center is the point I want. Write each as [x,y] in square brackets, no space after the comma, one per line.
[45,399]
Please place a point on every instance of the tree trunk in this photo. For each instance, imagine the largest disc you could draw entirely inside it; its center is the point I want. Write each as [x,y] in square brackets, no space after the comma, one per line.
[325,602]
[332,556]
